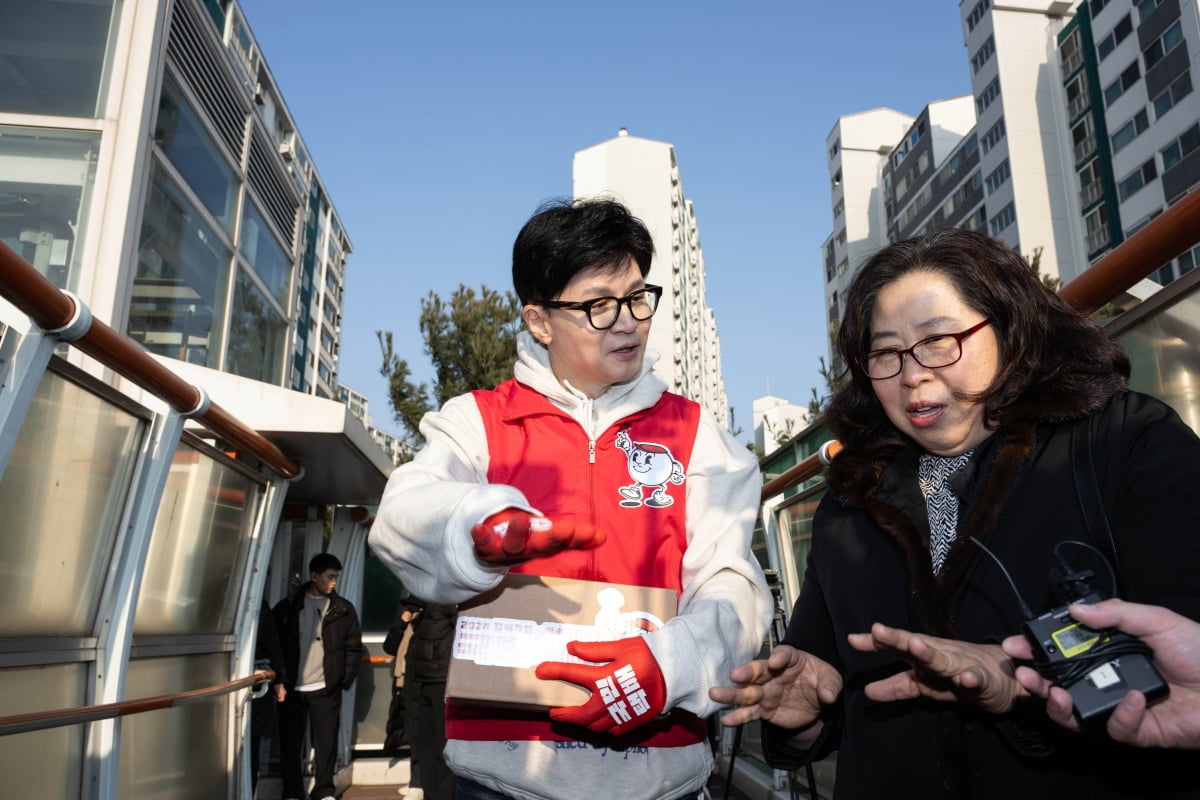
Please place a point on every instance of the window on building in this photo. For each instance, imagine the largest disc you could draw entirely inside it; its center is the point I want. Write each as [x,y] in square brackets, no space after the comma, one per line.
[178,301]
[196,155]
[998,176]
[1130,130]
[833,150]
[256,334]
[1177,150]
[1083,139]
[1097,6]
[1145,8]
[837,178]
[266,255]
[987,96]
[1163,45]
[57,57]
[983,54]
[1117,35]
[977,14]
[1070,53]
[46,187]
[1096,225]
[993,136]
[839,208]
[1181,87]
[1006,217]
[840,239]
[1141,176]
[1118,87]
[1077,95]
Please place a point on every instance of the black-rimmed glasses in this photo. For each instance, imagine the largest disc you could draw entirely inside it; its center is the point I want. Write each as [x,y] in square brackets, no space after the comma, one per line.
[602,312]
[932,352]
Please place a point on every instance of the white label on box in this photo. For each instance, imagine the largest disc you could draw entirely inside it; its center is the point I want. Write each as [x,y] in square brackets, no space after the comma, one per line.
[523,643]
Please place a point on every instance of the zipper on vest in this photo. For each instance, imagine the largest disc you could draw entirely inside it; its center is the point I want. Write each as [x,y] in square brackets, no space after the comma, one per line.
[591,451]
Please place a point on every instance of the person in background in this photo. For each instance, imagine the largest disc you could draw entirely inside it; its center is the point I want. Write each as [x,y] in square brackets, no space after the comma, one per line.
[427,662]
[584,466]
[264,722]
[322,649]
[396,644]
[1173,721]
[970,385]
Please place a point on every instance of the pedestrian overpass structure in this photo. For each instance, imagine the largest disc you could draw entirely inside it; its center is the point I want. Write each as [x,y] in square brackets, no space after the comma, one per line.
[150,506]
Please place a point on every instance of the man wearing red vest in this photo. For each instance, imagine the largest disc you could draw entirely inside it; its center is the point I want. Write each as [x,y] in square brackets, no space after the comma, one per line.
[584,466]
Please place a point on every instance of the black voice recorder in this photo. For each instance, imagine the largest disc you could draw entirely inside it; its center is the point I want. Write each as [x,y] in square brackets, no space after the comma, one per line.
[1097,667]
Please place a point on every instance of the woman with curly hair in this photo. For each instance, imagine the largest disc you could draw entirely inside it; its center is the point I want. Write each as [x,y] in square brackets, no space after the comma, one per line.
[979,409]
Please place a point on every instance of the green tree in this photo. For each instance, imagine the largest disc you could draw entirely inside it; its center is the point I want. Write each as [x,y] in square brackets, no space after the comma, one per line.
[471,340]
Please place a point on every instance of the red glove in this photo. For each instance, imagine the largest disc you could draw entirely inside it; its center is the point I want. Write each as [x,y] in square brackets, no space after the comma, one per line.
[627,692]
[512,535]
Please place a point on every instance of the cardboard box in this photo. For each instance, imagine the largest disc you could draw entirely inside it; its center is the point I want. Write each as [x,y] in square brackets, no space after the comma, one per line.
[503,634]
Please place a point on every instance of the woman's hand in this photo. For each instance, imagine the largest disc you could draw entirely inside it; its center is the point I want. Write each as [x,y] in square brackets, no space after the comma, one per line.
[789,689]
[942,669]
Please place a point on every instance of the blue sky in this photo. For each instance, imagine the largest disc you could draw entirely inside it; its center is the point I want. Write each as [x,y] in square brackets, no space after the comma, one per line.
[438,128]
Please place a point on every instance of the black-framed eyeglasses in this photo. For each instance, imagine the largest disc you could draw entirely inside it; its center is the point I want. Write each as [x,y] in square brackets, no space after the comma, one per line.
[602,312]
[932,352]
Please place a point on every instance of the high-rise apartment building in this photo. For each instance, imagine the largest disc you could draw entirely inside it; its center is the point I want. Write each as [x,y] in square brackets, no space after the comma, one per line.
[149,164]
[644,175]
[1081,127]
[1126,70]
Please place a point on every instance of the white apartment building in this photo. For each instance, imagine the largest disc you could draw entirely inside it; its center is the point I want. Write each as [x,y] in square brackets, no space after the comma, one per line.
[644,175]
[149,164]
[1127,69]
[858,149]
[1081,127]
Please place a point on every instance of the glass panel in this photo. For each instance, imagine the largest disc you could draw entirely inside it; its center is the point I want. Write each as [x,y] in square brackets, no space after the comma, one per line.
[1165,360]
[372,698]
[182,277]
[194,153]
[176,753]
[46,180]
[267,258]
[382,592]
[198,548]
[44,764]
[256,334]
[63,494]
[55,56]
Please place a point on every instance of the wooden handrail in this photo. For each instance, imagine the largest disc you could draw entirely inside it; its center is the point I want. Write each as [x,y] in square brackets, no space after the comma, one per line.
[802,471]
[40,720]
[52,309]
[1162,239]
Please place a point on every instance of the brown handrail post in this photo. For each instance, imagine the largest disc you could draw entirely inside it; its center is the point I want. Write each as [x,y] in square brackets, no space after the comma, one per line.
[50,308]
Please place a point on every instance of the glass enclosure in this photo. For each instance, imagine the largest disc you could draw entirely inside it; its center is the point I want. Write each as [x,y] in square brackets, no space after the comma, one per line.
[176,753]
[63,494]
[199,546]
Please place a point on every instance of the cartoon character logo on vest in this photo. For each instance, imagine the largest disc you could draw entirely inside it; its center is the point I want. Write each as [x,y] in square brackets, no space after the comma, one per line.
[652,467]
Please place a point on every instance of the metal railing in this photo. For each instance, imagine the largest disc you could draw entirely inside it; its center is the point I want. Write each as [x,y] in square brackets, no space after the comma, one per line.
[40,720]
[52,309]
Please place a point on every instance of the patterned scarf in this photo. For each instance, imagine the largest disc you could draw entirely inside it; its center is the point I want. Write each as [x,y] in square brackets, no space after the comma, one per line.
[933,476]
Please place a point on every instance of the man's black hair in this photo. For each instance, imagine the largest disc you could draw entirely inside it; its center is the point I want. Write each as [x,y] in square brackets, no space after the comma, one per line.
[564,238]
[324,561]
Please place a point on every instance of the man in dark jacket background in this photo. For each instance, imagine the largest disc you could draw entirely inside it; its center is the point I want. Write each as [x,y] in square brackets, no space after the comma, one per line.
[426,664]
[322,650]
